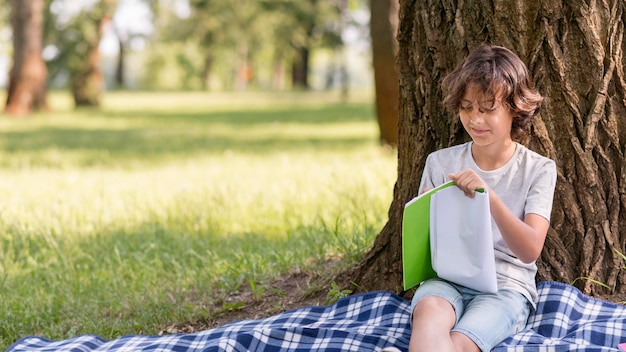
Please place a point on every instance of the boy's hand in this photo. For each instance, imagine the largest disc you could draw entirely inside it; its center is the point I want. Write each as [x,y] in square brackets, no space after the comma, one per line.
[468,181]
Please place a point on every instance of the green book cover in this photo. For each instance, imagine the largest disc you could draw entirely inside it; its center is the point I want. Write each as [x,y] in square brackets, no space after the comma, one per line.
[416,256]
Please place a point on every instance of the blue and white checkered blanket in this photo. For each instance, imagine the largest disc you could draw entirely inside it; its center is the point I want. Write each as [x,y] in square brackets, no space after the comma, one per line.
[565,320]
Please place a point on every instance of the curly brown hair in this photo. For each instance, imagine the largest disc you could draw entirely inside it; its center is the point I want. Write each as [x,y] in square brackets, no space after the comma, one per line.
[498,73]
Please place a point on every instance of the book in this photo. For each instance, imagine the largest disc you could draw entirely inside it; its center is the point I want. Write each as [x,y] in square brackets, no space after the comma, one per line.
[622,346]
[448,235]
[416,262]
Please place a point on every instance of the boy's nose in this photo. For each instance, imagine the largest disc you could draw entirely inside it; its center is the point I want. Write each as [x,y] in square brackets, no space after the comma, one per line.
[477,117]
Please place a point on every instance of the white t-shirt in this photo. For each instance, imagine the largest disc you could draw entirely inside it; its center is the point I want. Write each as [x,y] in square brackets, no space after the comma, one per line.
[525,184]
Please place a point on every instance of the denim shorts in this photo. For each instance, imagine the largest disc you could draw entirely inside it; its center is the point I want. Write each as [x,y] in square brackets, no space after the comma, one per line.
[486,318]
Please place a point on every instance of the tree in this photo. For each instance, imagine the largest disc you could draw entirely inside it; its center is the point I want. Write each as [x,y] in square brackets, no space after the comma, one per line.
[227,33]
[74,32]
[122,39]
[383,28]
[304,25]
[87,83]
[574,52]
[27,79]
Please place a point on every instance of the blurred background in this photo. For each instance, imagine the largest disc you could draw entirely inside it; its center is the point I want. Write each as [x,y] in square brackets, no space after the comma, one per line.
[205,44]
[94,46]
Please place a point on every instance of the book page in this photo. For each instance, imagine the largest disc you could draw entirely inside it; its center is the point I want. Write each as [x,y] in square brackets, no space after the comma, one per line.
[461,239]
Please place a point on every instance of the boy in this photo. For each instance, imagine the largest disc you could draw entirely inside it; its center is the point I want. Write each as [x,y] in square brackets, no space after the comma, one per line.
[495,99]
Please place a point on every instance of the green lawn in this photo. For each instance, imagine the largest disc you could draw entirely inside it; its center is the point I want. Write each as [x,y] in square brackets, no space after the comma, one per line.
[133,217]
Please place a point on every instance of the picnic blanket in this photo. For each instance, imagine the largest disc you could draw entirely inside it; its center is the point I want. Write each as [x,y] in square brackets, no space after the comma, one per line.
[565,320]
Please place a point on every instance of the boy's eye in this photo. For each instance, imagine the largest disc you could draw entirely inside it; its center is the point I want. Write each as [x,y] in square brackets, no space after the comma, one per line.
[488,106]
[484,109]
[466,107]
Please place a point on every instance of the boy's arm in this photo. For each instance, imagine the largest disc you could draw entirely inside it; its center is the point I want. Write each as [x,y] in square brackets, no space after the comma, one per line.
[524,238]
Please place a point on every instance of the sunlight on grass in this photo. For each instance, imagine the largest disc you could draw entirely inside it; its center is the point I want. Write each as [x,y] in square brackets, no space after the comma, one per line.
[131,218]
[135,138]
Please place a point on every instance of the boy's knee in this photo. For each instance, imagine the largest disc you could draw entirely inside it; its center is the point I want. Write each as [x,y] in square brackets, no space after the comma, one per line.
[433,303]
[433,307]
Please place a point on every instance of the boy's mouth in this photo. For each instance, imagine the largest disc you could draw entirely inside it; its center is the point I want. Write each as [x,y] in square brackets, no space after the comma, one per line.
[477,131]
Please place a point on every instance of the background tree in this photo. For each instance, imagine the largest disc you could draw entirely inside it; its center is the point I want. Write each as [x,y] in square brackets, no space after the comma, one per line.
[57,41]
[73,32]
[574,52]
[87,82]
[244,42]
[27,78]
[122,39]
[243,39]
[383,28]
[304,25]
[227,36]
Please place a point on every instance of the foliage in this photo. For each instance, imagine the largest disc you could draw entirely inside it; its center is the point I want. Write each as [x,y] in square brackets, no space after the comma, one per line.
[591,280]
[306,23]
[335,293]
[235,36]
[73,37]
[141,215]
[4,12]
[221,44]
[213,31]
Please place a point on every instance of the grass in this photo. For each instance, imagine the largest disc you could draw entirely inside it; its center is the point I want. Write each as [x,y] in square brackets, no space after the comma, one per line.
[622,256]
[134,217]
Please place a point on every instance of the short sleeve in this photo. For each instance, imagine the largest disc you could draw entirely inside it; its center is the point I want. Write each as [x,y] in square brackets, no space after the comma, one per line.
[427,179]
[541,192]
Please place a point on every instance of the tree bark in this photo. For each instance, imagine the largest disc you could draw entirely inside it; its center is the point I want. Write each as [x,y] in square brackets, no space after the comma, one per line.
[27,79]
[383,28]
[207,67]
[120,69]
[88,82]
[300,69]
[574,52]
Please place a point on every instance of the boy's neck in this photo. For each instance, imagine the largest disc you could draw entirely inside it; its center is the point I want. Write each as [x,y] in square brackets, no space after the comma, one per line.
[493,157]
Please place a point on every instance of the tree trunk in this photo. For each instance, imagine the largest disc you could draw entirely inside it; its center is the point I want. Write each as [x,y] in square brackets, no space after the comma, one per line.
[207,67]
[27,79]
[278,72]
[120,69]
[88,82]
[120,80]
[383,29]
[300,69]
[244,71]
[574,52]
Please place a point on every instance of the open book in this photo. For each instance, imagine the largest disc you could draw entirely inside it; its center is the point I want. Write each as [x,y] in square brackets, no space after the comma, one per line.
[448,235]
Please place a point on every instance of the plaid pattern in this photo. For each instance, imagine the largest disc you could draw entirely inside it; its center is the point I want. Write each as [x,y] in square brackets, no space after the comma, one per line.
[565,320]
[364,322]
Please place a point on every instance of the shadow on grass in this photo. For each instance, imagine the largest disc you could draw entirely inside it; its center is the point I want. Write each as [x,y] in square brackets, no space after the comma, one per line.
[151,142]
[327,114]
[152,135]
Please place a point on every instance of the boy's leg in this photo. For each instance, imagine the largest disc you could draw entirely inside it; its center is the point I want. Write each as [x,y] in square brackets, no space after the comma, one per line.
[436,307]
[463,343]
[433,318]
[489,318]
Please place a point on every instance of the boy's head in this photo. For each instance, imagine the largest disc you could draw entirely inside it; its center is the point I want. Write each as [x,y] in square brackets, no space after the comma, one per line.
[500,75]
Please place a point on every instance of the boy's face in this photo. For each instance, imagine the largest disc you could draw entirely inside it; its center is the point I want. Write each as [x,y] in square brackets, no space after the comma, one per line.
[487,120]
